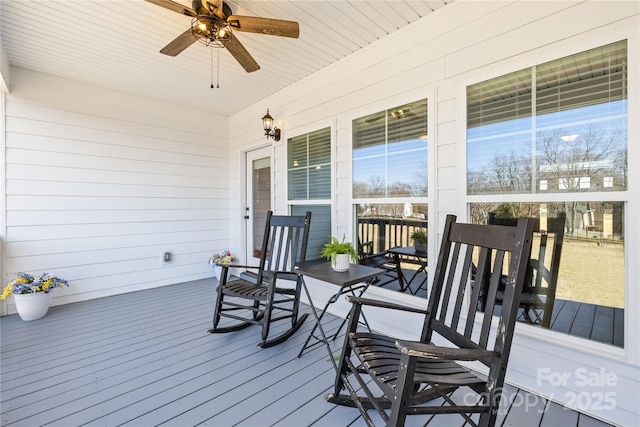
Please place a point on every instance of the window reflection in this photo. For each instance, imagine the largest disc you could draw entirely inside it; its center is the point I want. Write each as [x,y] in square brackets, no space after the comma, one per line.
[556,127]
[390,153]
[560,127]
[384,227]
[576,282]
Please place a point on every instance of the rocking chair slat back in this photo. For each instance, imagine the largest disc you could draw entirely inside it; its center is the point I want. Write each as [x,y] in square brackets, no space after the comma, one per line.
[485,247]
[284,247]
[410,374]
[539,292]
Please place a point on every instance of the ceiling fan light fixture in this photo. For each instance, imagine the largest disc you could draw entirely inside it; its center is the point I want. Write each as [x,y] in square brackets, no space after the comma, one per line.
[212,24]
[267,125]
[209,33]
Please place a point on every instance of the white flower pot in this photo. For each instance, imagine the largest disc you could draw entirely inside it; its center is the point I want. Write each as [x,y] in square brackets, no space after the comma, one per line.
[217,271]
[342,262]
[32,306]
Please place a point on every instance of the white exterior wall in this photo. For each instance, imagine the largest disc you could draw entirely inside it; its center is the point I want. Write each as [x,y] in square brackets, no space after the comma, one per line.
[436,58]
[99,182]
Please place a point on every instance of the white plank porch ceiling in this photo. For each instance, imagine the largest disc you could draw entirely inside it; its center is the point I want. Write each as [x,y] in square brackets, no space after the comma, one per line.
[116,43]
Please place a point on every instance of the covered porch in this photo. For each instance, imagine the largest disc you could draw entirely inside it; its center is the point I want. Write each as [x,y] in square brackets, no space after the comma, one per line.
[144,358]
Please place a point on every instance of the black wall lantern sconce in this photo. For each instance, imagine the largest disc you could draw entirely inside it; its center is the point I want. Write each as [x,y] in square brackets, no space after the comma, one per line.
[267,125]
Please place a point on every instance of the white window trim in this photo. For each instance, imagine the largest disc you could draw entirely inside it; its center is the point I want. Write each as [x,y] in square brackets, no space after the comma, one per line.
[549,343]
[303,130]
[430,95]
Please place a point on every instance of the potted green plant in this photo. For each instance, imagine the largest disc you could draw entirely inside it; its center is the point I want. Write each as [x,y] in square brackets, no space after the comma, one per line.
[420,239]
[340,253]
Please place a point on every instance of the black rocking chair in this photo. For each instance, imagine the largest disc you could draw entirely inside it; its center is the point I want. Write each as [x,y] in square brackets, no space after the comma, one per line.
[418,377]
[267,300]
[539,291]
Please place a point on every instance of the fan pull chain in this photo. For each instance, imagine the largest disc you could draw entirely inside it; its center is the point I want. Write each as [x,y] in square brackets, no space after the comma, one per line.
[217,70]
[211,56]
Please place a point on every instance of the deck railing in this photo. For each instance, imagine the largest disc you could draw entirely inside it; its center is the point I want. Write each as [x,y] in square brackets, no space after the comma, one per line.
[385,233]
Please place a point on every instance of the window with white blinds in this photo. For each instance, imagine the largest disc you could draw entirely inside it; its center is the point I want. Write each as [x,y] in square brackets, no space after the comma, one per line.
[552,127]
[559,127]
[390,153]
[309,165]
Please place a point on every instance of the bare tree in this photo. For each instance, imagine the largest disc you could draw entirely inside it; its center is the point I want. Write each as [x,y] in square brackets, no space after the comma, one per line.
[399,189]
[512,173]
[503,174]
[579,162]
[376,186]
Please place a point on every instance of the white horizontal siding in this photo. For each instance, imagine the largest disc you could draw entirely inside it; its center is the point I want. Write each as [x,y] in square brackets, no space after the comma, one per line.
[98,183]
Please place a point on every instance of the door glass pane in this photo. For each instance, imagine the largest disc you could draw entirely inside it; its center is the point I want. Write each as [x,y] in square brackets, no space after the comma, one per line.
[261,184]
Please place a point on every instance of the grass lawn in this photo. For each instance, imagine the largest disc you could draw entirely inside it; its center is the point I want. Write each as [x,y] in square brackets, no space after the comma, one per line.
[592,271]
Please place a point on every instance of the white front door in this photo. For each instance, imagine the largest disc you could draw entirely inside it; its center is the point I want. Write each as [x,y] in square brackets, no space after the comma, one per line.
[258,200]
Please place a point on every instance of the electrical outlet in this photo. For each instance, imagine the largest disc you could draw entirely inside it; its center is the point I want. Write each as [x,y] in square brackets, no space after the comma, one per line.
[166,256]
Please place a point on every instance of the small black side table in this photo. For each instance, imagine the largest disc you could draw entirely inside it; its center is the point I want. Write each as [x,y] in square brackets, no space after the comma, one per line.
[357,278]
[422,258]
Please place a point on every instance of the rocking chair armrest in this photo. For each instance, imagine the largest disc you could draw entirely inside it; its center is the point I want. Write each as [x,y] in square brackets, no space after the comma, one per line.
[383,304]
[240,266]
[276,273]
[431,351]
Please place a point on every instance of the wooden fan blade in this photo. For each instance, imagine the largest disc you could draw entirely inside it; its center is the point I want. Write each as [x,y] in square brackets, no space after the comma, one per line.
[176,7]
[180,43]
[274,27]
[241,54]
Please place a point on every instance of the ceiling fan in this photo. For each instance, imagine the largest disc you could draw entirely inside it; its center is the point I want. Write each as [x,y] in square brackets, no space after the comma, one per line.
[213,23]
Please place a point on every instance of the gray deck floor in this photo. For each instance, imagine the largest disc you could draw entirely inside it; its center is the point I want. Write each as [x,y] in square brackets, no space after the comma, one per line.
[145,358]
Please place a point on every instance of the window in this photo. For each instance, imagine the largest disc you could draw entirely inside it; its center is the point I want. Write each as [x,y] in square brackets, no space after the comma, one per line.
[563,122]
[309,184]
[390,153]
[309,165]
[390,185]
[320,229]
[560,127]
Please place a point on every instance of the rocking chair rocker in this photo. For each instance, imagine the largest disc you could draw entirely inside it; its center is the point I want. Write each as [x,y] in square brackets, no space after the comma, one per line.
[267,300]
[418,377]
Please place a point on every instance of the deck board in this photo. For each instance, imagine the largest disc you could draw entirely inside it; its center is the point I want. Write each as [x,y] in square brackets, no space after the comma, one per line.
[603,325]
[618,327]
[144,359]
[583,322]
